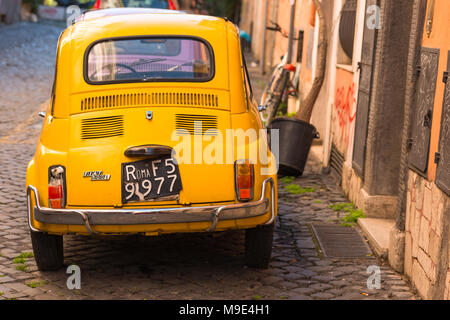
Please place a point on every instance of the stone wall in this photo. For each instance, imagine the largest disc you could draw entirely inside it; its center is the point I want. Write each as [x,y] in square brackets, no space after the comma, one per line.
[373,206]
[426,239]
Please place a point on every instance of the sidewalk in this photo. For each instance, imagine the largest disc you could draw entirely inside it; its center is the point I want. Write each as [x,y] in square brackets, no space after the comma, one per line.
[328,278]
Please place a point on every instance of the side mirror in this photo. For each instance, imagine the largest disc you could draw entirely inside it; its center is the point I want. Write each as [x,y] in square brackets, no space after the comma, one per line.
[42,114]
[261,108]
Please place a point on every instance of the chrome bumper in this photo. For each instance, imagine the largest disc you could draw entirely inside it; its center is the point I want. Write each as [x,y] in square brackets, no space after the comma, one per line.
[93,217]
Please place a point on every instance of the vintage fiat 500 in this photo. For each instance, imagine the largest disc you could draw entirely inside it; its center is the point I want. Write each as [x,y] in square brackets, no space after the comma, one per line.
[151,129]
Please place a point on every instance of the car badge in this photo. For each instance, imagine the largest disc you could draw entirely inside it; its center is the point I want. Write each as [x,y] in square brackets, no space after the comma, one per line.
[96,175]
[149,115]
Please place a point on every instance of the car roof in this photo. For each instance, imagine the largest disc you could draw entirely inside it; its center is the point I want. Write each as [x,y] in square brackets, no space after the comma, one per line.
[128,22]
[119,22]
[95,14]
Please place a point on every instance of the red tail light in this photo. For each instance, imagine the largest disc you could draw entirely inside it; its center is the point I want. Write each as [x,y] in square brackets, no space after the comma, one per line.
[56,187]
[244,171]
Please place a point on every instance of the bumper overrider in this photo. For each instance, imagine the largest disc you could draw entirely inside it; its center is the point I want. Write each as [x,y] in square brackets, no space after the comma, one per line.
[93,217]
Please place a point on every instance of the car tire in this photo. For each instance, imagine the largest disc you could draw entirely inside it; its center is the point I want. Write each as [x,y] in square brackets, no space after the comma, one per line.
[258,246]
[48,250]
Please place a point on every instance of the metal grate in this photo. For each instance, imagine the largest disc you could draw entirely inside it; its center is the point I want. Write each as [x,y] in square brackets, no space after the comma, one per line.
[340,242]
[423,112]
[347,27]
[149,99]
[104,127]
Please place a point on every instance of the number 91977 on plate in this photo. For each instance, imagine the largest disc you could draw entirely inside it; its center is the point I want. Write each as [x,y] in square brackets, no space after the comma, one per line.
[150,179]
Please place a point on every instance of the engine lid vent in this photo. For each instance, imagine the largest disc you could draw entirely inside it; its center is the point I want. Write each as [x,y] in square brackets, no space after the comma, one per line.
[196,124]
[103,127]
[149,99]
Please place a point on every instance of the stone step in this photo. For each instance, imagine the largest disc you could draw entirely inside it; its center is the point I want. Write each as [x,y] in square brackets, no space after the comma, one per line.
[377,232]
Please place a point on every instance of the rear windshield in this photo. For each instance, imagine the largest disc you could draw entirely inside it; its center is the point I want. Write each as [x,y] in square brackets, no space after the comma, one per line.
[149,59]
[160,4]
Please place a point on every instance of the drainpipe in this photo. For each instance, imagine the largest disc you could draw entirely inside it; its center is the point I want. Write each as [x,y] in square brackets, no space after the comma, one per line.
[291,31]
[263,53]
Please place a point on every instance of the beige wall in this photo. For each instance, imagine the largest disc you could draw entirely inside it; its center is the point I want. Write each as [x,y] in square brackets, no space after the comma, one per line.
[428,208]
[277,45]
[426,234]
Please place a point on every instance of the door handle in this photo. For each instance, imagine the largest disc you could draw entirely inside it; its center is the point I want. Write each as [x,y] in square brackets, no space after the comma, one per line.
[152,151]
[427,119]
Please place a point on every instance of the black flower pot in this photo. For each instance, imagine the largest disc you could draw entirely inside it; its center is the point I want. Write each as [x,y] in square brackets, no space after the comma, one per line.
[295,140]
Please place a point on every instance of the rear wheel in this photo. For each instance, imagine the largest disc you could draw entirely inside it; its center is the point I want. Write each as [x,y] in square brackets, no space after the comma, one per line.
[48,250]
[258,246]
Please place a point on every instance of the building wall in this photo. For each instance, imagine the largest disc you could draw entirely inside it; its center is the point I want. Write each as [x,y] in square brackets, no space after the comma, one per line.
[426,235]
[427,239]
[343,115]
[252,21]
[427,226]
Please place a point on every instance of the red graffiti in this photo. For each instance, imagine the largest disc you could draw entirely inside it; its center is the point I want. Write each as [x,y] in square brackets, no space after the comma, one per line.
[344,105]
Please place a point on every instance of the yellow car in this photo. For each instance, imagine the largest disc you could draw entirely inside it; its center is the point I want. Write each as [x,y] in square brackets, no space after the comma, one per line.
[152,129]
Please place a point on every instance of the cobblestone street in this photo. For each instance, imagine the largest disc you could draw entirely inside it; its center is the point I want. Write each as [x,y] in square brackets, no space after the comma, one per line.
[194,266]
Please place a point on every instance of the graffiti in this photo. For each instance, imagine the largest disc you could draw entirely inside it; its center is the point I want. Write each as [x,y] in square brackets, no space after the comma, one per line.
[344,101]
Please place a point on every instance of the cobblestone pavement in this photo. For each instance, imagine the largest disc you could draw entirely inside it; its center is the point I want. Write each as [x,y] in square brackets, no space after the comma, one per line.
[194,266]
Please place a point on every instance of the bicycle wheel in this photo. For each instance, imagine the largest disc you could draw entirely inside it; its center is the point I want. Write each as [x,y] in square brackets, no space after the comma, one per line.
[272,108]
[271,96]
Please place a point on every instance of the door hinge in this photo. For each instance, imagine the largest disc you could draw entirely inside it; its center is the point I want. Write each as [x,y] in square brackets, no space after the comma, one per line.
[359,66]
[427,119]
[437,157]
[445,78]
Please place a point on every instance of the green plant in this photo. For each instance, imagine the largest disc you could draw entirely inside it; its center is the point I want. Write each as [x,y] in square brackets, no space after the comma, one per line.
[256,297]
[25,255]
[287,180]
[296,189]
[35,284]
[352,217]
[21,267]
[18,260]
[21,259]
[340,206]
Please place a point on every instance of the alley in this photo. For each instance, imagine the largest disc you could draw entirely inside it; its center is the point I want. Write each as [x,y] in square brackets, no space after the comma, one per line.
[193,266]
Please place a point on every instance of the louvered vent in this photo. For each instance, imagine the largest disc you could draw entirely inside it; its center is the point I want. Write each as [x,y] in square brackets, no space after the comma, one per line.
[104,127]
[196,124]
[150,99]
[336,163]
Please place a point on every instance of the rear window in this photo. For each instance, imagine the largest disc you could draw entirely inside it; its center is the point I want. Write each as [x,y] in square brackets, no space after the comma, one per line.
[149,59]
[159,4]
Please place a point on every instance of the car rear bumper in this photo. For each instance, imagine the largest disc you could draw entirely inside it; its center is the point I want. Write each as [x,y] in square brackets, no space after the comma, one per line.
[92,217]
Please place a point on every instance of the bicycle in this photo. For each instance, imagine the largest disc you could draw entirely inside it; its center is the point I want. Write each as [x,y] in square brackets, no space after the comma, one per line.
[280,85]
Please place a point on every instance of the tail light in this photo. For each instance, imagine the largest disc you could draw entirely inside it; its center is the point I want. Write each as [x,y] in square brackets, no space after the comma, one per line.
[56,197]
[245,180]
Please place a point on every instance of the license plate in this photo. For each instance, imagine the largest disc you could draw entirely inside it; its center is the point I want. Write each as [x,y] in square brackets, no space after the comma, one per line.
[150,179]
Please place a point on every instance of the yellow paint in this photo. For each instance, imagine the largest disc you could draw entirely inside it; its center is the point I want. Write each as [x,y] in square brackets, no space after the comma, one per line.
[439,38]
[60,142]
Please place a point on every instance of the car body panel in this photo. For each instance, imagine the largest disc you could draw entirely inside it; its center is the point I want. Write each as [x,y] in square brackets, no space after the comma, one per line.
[224,98]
